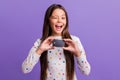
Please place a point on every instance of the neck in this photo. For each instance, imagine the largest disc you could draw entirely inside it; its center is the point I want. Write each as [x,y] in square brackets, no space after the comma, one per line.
[56,34]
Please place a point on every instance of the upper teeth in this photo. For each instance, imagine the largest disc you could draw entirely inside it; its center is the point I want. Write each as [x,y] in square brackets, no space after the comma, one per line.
[58,26]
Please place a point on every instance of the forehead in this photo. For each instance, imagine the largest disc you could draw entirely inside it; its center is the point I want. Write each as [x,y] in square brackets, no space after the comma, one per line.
[59,12]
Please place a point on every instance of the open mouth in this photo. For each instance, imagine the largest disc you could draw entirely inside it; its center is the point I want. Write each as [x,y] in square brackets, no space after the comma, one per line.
[58,27]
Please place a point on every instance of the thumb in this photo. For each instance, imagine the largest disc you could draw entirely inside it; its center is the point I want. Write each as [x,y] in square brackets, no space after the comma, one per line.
[50,47]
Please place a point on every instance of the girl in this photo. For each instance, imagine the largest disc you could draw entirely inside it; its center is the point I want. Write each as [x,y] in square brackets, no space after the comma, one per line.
[57,63]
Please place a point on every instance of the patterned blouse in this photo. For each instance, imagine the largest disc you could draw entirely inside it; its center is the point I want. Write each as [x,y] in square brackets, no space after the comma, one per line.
[56,61]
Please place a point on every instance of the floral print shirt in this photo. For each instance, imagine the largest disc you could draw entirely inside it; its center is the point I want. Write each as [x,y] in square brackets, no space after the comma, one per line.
[56,61]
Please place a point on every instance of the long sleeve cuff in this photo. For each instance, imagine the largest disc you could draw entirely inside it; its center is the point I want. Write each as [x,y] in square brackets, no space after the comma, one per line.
[83,64]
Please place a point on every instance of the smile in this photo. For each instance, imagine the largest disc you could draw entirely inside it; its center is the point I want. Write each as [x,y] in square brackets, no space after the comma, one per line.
[58,27]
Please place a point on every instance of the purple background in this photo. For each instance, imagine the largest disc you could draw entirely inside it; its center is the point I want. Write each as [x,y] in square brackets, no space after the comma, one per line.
[96,22]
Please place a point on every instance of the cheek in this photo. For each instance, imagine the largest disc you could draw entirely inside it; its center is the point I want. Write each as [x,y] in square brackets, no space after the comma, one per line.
[52,22]
[64,21]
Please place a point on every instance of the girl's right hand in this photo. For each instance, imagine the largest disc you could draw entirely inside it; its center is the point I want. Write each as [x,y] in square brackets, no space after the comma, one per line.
[45,45]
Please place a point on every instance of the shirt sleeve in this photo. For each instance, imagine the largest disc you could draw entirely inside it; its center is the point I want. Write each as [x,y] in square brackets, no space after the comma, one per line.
[31,59]
[82,62]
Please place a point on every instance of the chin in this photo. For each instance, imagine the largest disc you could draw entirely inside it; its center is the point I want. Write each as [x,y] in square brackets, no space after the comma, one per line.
[58,33]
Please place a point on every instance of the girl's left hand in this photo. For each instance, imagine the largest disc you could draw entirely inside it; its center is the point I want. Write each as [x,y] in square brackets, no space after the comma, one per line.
[72,46]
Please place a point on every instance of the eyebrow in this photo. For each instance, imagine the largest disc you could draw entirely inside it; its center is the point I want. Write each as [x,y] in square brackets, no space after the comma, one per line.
[57,15]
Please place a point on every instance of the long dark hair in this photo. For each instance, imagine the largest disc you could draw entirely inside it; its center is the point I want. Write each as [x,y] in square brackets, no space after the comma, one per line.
[47,31]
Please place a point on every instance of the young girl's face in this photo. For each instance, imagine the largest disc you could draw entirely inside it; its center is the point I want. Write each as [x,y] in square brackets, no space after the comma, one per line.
[57,22]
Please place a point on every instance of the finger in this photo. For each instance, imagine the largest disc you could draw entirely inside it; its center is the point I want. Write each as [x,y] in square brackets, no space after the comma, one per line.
[51,47]
[65,48]
[67,43]
[49,39]
[67,40]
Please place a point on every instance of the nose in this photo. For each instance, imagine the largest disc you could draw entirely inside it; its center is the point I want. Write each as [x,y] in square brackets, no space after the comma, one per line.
[59,19]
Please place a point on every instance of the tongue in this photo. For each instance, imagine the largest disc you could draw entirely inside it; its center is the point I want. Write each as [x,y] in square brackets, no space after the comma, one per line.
[58,27]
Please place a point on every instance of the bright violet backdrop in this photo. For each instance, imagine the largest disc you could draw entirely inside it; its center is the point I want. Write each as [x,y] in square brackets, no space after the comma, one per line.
[95,22]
